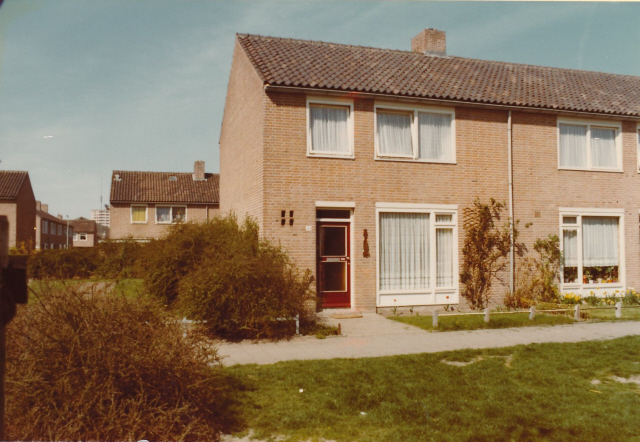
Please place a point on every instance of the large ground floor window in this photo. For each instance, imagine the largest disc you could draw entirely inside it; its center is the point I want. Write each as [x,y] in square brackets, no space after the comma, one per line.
[417,255]
[591,247]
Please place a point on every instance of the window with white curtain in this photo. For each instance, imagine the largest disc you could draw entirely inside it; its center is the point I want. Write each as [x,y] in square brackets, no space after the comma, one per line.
[416,251]
[170,214]
[415,134]
[329,130]
[587,146]
[591,249]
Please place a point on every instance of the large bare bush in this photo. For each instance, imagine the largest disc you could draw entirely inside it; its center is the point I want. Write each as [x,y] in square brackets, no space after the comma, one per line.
[97,366]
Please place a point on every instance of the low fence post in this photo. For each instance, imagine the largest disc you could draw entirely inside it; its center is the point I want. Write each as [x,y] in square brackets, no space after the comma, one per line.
[486,315]
[435,319]
[577,312]
[297,324]
[532,312]
[618,310]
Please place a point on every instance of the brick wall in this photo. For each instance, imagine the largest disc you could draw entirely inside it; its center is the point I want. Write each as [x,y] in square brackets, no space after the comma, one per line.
[122,227]
[241,139]
[295,182]
[21,214]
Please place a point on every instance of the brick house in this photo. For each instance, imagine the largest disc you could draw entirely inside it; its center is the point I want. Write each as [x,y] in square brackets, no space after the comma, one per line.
[145,204]
[85,232]
[51,231]
[361,162]
[18,204]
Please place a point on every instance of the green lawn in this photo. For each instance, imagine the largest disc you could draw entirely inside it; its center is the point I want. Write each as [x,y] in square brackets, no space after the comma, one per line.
[474,322]
[609,314]
[548,392]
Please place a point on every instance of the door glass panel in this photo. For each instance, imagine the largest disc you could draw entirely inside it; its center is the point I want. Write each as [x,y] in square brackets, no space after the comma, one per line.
[334,241]
[333,277]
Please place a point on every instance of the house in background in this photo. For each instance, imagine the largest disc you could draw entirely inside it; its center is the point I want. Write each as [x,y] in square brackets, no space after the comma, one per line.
[102,219]
[52,232]
[362,161]
[85,232]
[18,204]
[145,204]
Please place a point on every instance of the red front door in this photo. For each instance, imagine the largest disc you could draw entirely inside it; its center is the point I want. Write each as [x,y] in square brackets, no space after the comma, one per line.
[334,264]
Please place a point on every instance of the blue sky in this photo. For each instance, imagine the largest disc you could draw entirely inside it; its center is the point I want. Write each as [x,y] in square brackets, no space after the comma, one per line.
[87,87]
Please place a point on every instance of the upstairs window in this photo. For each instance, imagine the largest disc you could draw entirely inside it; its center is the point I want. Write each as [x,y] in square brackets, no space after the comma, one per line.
[138,214]
[45,226]
[170,214]
[415,135]
[329,129]
[589,147]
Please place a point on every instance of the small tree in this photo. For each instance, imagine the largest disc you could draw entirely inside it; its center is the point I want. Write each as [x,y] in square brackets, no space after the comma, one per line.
[486,245]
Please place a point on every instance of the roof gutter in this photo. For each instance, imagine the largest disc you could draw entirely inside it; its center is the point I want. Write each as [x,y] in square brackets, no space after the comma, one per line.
[301,89]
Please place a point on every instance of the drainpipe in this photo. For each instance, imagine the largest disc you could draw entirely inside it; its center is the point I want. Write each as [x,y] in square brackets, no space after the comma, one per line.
[510,166]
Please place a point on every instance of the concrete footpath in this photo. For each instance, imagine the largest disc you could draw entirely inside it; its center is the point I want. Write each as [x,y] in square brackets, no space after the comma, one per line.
[373,335]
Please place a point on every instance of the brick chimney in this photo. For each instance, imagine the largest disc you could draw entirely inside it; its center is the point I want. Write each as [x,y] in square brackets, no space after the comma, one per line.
[198,171]
[430,42]
[44,208]
[38,203]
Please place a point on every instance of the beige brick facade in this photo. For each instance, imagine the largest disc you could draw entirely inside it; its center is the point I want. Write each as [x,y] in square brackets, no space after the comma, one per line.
[122,227]
[265,169]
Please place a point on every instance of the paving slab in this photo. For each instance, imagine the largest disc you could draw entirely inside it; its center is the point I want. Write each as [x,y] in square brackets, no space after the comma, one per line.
[373,335]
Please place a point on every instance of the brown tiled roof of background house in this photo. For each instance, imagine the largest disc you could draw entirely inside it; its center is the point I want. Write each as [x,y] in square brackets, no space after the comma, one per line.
[10,183]
[159,187]
[339,67]
[83,225]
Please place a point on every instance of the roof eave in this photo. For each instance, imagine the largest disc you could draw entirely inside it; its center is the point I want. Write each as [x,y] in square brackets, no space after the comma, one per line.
[445,101]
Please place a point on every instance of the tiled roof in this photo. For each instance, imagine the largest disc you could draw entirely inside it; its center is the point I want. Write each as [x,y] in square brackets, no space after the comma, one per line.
[83,225]
[159,187]
[46,215]
[338,67]
[10,183]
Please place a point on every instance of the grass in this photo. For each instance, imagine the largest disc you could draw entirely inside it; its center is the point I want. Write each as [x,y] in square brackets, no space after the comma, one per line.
[609,314]
[536,392]
[474,322]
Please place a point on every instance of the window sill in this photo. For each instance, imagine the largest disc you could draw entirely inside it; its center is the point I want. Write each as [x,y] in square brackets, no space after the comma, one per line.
[591,170]
[410,160]
[338,157]
[139,222]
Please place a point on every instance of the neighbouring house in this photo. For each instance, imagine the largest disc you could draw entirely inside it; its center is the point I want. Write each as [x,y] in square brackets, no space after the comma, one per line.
[52,232]
[85,232]
[362,161]
[145,204]
[18,204]
[102,219]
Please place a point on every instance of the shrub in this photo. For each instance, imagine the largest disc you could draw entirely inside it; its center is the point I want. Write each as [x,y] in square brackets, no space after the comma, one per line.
[538,276]
[119,259]
[99,367]
[486,247]
[63,263]
[225,274]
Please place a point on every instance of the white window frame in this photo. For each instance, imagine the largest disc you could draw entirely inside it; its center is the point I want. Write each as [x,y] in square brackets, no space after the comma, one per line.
[599,289]
[146,214]
[415,132]
[75,237]
[432,295]
[638,145]
[598,124]
[171,207]
[336,102]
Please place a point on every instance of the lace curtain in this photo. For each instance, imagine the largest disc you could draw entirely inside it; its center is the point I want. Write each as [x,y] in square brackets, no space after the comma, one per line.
[573,145]
[599,241]
[444,257]
[435,136]
[404,251]
[603,148]
[394,134]
[329,131]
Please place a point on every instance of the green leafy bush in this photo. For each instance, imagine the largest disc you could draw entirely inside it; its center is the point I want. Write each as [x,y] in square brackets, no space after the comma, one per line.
[222,272]
[97,366]
[538,276]
[110,259]
[63,263]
